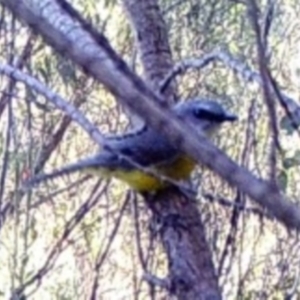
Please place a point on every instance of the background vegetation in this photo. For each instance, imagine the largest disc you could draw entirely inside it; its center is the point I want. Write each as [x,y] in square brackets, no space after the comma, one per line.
[83,229]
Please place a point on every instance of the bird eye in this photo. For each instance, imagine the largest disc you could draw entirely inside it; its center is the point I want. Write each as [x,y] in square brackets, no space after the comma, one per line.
[200,113]
[208,115]
[204,114]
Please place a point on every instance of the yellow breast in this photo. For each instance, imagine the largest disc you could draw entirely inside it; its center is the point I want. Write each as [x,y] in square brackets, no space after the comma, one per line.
[179,169]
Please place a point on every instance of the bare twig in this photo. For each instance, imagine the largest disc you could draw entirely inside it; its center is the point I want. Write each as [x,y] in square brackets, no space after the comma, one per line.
[239,203]
[57,248]
[103,254]
[290,106]
[268,19]
[238,206]
[155,281]
[267,88]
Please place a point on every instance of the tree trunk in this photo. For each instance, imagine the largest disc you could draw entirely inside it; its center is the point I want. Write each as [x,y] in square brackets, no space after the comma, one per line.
[191,271]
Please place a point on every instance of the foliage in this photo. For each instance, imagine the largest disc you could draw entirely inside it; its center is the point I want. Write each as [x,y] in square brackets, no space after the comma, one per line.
[262,259]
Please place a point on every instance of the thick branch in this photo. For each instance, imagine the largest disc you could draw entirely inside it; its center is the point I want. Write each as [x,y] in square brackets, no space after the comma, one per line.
[152,40]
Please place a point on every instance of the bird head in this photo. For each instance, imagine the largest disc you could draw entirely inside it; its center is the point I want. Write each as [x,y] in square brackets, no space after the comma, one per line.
[204,115]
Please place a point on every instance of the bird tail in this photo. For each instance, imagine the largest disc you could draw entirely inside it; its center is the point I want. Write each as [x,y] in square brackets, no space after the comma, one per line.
[87,164]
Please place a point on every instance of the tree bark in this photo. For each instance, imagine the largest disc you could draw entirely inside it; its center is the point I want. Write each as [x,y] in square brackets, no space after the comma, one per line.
[191,271]
[152,41]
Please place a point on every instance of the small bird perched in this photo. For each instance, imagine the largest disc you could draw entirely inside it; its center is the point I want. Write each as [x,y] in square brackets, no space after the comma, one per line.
[129,157]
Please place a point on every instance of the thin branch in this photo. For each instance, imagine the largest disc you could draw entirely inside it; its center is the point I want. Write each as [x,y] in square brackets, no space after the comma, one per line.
[155,281]
[18,65]
[267,88]
[102,255]
[290,105]
[268,19]
[57,248]
[238,206]
[138,233]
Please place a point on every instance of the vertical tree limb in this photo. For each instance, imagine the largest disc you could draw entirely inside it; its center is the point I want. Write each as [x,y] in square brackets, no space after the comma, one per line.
[191,271]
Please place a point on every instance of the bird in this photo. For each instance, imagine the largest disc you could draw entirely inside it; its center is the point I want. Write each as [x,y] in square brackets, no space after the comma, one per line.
[145,159]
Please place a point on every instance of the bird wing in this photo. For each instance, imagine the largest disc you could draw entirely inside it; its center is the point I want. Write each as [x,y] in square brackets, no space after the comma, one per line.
[146,148]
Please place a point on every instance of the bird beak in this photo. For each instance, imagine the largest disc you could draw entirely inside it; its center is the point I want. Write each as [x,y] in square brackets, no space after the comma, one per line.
[230,117]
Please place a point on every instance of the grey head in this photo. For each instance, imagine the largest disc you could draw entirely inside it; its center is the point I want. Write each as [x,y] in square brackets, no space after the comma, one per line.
[204,115]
